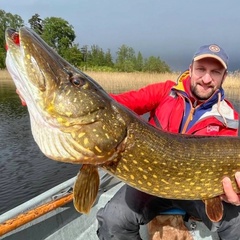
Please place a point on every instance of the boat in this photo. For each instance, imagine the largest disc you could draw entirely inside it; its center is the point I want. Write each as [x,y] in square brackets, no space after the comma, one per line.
[52,216]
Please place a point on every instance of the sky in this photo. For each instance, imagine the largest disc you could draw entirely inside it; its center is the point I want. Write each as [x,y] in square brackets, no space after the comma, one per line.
[172,30]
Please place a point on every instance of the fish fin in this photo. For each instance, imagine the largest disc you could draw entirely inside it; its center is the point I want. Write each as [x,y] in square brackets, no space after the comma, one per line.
[214,208]
[85,189]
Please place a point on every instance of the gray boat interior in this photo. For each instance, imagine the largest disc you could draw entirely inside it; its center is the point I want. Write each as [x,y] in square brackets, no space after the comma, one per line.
[66,223]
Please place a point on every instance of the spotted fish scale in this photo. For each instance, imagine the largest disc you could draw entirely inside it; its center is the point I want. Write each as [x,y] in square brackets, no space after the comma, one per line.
[181,167]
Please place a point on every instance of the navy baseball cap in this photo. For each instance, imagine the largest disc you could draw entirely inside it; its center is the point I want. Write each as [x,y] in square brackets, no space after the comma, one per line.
[212,51]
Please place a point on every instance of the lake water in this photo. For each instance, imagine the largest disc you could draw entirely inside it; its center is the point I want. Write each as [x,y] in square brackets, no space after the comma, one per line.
[24,171]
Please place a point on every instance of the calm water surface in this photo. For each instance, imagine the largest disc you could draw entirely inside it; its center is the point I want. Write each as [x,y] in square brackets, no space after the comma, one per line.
[24,171]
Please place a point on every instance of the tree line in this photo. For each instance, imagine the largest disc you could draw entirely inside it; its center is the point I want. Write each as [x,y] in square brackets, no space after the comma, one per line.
[60,35]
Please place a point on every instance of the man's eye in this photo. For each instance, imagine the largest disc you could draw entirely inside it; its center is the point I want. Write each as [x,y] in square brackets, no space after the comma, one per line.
[216,72]
[200,70]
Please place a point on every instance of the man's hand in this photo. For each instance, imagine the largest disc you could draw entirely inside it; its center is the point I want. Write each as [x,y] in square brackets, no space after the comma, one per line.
[230,195]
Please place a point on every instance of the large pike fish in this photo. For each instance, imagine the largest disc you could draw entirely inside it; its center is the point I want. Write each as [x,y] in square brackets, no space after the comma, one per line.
[74,120]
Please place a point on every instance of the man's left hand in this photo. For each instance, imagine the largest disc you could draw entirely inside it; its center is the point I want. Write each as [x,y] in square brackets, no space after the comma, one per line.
[230,195]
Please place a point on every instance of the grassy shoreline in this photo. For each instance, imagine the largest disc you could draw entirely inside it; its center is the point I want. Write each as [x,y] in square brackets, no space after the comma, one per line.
[116,82]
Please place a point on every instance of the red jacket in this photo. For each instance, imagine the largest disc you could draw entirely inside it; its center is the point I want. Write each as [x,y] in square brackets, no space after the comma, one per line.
[172,109]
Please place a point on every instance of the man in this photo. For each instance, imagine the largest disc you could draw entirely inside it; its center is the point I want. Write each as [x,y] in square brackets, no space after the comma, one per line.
[195,105]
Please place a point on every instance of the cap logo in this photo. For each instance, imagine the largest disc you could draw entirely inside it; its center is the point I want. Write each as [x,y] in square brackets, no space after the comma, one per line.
[214,48]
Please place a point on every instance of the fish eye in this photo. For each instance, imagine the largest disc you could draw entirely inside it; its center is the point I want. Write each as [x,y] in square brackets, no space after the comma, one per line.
[77,80]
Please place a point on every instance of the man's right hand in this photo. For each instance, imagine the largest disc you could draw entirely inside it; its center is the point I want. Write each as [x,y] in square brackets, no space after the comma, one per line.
[230,195]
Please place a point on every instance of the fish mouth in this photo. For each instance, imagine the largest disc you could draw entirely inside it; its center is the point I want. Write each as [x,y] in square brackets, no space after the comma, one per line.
[13,35]
[31,56]
[12,38]
[22,65]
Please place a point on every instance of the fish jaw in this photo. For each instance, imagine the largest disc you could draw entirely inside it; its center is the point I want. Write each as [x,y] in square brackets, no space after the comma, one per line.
[71,115]
[25,72]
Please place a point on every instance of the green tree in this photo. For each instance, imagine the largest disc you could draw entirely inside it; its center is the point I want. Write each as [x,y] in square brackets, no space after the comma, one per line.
[84,51]
[126,59]
[139,62]
[96,56]
[36,23]
[2,58]
[155,64]
[58,33]
[108,59]
[7,20]
[73,55]
[85,54]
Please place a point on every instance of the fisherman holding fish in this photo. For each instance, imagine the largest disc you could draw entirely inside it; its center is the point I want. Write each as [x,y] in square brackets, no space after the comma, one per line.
[195,105]
[74,120]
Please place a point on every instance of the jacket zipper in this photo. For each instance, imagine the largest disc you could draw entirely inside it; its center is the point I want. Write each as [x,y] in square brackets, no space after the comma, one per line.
[190,116]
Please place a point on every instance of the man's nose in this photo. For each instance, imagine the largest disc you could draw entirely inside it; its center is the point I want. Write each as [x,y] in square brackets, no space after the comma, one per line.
[207,78]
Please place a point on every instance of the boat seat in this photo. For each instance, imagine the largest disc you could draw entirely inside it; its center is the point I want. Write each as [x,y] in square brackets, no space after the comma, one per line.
[171,224]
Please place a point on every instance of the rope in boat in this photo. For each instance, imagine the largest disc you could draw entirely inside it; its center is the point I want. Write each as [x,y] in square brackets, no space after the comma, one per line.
[32,214]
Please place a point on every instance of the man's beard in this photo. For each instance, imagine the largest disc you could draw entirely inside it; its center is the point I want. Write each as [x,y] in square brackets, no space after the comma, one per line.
[202,96]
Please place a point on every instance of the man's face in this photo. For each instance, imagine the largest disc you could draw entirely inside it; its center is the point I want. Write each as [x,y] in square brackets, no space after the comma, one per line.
[207,75]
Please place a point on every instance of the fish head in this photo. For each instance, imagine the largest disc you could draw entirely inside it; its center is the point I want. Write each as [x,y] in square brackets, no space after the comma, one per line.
[72,118]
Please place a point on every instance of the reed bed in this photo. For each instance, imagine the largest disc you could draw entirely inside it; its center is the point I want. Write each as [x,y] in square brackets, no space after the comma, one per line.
[232,85]
[116,82]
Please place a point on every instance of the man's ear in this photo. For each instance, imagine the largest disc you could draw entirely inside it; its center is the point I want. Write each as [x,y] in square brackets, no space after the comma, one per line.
[224,76]
[190,70]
